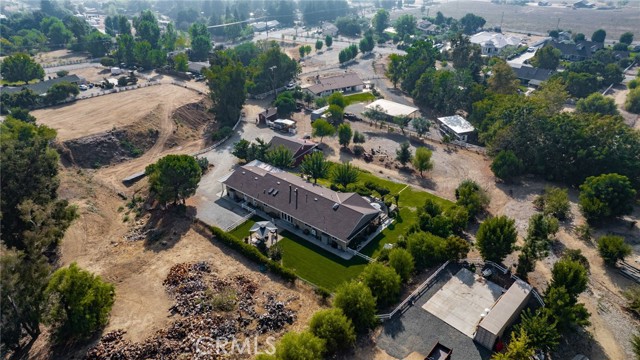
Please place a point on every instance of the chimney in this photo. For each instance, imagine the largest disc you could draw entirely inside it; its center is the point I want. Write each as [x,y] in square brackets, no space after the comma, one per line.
[296,190]
[289,193]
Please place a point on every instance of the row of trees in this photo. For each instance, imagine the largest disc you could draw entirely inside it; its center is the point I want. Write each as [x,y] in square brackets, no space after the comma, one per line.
[73,302]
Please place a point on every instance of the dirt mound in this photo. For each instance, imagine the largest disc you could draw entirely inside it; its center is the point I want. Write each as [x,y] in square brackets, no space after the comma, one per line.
[108,148]
[191,121]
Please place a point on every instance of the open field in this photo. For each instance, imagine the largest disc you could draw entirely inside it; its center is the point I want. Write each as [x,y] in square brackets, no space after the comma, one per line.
[541,19]
[103,113]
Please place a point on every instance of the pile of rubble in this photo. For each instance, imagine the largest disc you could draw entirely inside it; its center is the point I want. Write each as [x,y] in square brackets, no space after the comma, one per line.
[193,286]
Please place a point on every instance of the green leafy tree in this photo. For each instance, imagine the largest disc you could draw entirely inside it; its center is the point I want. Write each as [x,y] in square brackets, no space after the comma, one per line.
[366,44]
[181,62]
[519,348]
[285,103]
[503,79]
[147,28]
[472,197]
[496,238]
[332,326]
[394,69]
[402,122]
[358,137]
[421,125]
[606,196]
[383,281]
[316,166]
[125,49]
[405,25]
[599,36]
[322,128]
[143,54]
[345,174]
[626,38]
[596,103]
[300,346]
[336,114]
[506,165]
[328,40]
[402,262]
[570,275]
[403,153]
[635,345]
[108,61]
[79,302]
[632,104]
[537,243]
[344,134]
[471,23]
[613,248]
[547,57]
[59,35]
[61,91]
[555,202]
[280,157]
[97,43]
[20,67]
[541,329]
[632,295]
[319,45]
[357,302]
[174,177]
[380,21]
[337,99]
[226,79]
[466,55]
[169,38]
[427,249]
[200,48]
[565,309]
[241,149]
[422,160]
[578,37]
[456,248]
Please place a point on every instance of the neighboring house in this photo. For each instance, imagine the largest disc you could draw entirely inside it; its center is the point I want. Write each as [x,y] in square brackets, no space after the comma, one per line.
[298,147]
[493,43]
[393,109]
[196,67]
[531,76]
[564,36]
[271,114]
[349,82]
[427,27]
[583,4]
[458,127]
[317,114]
[264,25]
[42,87]
[329,29]
[580,51]
[332,217]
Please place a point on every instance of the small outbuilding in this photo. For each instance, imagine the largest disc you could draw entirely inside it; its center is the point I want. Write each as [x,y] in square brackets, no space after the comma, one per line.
[458,127]
[504,312]
[270,114]
[393,109]
[299,148]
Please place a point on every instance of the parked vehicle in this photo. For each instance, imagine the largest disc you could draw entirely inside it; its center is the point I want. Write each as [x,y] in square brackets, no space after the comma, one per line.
[83,87]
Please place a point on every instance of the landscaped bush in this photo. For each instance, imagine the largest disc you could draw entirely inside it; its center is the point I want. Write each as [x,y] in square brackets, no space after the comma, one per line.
[360,189]
[252,253]
[222,133]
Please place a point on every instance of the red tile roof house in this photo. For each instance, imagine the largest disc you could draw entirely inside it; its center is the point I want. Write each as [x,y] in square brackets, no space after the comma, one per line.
[298,147]
[334,218]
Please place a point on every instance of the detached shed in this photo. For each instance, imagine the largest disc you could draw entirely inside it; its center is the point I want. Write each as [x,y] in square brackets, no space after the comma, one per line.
[503,313]
[393,109]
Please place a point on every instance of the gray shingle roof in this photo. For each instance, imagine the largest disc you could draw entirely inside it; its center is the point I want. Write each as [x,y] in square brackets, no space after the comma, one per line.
[43,86]
[298,147]
[335,83]
[312,204]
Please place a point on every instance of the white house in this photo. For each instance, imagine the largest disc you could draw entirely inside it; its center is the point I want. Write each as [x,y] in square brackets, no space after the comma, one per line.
[493,43]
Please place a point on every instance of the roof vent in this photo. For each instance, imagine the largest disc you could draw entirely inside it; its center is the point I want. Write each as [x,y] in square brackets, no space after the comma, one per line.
[275,192]
[243,173]
[255,178]
[278,182]
[270,191]
[336,206]
[316,199]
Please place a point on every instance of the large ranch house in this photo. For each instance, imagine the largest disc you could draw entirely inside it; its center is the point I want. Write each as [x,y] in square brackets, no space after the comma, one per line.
[334,218]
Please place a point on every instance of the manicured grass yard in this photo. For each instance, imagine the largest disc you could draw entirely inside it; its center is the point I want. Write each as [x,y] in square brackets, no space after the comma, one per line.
[325,269]
[310,262]
[359,97]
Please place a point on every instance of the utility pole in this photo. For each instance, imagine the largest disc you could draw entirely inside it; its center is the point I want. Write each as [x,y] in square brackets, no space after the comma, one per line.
[273,80]
[501,20]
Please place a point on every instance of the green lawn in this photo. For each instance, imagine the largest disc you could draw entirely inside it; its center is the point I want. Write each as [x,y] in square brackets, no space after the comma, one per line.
[309,261]
[359,97]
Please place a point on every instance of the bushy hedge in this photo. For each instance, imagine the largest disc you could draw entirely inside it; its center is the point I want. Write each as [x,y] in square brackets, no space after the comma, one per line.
[252,253]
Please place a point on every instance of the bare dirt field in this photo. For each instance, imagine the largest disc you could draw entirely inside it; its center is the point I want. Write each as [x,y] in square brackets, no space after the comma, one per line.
[93,74]
[542,19]
[103,113]
[99,241]
[56,56]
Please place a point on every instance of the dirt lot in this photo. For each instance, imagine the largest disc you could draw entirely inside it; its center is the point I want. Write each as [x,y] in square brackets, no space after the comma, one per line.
[542,19]
[96,241]
[103,113]
[56,56]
